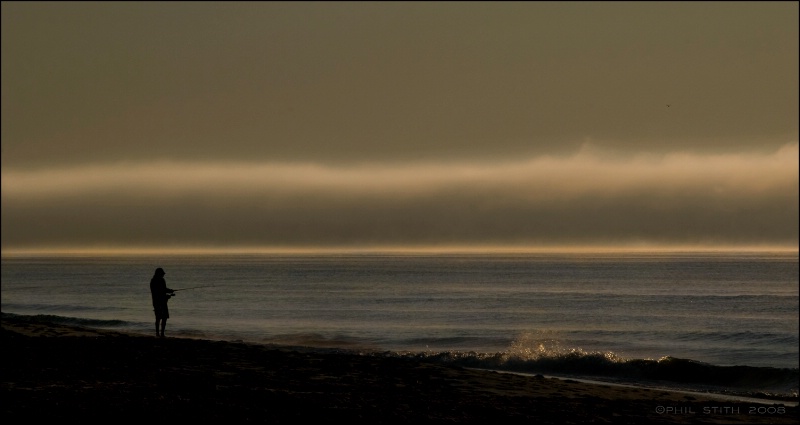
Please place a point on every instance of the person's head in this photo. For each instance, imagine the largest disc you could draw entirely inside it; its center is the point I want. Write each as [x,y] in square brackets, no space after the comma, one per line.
[160,272]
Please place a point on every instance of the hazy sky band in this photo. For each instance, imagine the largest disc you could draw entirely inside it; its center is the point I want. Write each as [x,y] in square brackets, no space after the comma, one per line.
[589,198]
[589,172]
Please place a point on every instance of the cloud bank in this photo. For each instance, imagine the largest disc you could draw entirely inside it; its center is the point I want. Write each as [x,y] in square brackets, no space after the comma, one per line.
[591,197]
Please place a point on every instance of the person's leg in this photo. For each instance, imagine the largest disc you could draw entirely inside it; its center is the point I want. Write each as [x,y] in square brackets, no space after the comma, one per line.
[163,325]
[157,320]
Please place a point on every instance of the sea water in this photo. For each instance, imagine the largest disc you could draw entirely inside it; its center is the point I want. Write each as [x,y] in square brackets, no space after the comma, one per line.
[712,319]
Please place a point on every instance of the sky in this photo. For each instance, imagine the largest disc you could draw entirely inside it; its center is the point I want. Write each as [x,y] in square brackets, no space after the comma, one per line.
[399,125]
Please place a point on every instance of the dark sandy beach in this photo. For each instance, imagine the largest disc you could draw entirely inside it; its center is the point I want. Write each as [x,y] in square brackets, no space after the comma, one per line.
[65,373]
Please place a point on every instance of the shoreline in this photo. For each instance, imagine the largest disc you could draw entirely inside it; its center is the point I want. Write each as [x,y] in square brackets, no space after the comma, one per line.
[714,395]
[54,371]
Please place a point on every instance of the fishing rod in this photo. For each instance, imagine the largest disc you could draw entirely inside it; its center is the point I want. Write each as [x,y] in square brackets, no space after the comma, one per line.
[193,287]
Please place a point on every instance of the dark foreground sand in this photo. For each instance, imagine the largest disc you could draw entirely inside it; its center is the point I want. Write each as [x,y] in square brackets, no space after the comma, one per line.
[55,372]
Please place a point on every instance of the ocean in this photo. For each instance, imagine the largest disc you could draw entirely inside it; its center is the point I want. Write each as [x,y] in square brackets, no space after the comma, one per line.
[724,322]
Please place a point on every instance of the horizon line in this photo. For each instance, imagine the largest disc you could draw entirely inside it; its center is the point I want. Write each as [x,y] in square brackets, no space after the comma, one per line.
[399,250]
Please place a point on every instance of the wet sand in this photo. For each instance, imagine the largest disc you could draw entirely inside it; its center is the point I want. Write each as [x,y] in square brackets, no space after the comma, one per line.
[58,372]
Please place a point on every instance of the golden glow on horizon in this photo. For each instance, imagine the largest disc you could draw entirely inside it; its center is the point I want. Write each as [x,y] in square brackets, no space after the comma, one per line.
[640,249]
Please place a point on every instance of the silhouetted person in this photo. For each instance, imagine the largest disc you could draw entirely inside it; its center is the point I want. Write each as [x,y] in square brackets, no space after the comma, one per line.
[161,294]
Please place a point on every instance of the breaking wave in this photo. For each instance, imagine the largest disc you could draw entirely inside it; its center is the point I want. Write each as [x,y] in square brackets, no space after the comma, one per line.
[549,357]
